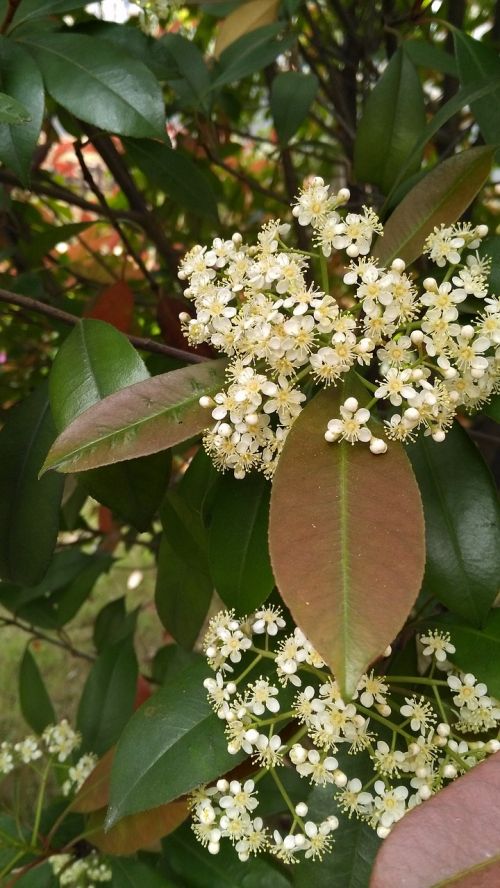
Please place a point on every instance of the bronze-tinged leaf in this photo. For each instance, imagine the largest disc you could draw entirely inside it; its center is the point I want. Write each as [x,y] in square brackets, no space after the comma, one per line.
[346,541]
[247,17]
[452,840]
[94,794]
[143,418]
[439,198]
[137,831]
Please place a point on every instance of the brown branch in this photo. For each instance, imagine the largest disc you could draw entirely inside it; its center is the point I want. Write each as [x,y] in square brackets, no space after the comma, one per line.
[58,192]
[89,179]
[9,15]
[148,345]
[35,633]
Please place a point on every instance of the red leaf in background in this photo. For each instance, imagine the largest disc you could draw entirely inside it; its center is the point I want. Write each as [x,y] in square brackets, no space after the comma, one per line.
[167,314]
[143,691]
[115,305]
[453,839]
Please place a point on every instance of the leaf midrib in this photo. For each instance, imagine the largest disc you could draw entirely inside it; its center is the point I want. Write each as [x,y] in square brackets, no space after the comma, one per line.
[71,61]
[477,867]
[344,553]
[64,460]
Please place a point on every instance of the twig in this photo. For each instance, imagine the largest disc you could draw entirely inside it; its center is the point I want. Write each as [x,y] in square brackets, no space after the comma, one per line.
[9,15]
[35,633]
[89,179]
[65,317]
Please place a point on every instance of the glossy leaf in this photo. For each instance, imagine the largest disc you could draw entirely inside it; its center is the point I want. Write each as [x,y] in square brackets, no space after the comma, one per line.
[393,119]
[430,55]
[34,9]
[491,247]
[29,507]
[239,557]
[178,175]
[251,15]
[184,585]
[492,409]
[21,79]
[250,53]
[170,660]
[135,874]
[93,80]
[172,744]
[292,95]
[108,697]
[462,524]
[439,198]
[179,61]
[137,831]
[191,863]
[93,362]
[450,840]
[113,624]
[346,540]
[144,418]
[12,111]
[477,61]
[34,700]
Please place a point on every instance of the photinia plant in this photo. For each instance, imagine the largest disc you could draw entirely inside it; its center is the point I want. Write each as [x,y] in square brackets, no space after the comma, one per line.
[271,231]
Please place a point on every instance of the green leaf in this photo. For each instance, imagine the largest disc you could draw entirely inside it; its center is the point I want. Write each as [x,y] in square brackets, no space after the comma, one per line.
[184,68]
[12,111]
[469,808]
[477,61]
[95,361]
[191,863]
[477,650]
[40,877]
[34,700]
[184,586]
[176,174]
[40,243]
[491,247]
[170,660]
[346,539]
[493,408]
[462,524]
[250,53]
[129,873]
[239,557]
[144,418]
[292,94]
[173,743]
[95,81]
[20,78]
[30,10]
[439,198]
[113,624]
[107,700]
[29,507]
[429,55]
[393,119]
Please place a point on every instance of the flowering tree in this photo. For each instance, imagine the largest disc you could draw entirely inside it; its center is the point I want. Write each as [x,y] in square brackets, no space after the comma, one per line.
[249,276]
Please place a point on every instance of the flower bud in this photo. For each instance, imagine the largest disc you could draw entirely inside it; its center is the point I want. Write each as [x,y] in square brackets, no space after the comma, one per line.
[301,809]
[398,265]
[378,445]
[449,771]
[417,337]
[351,404]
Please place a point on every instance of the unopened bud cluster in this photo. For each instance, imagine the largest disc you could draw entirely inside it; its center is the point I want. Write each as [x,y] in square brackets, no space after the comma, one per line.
[286,711]
[82,872]
[287,337]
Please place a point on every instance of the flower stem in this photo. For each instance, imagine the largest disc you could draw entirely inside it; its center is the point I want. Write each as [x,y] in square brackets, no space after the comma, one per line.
[39,803]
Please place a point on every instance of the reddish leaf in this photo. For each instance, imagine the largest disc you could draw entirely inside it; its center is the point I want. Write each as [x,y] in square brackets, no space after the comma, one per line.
[138,830]
[453,839]
[94,793]
[167,315]
[143,691]
[143,418]
[346,540]
[440,197]
[115,305]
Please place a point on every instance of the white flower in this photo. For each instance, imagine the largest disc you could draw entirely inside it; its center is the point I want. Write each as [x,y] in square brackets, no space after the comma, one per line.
[352,425]
[6,758]
[28,750]
[61,740]
[355,234]
[467,692]
[389,803]
[373,689]
[78,774]
[268,620]
[437,644]
[240,798]
[396,386]
[262,696]
[420,713]
[442,246]
[318,769]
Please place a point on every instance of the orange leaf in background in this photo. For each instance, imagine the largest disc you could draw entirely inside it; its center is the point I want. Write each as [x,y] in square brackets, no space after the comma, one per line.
[143,691]
[115,305]
[167,315]
[253,14]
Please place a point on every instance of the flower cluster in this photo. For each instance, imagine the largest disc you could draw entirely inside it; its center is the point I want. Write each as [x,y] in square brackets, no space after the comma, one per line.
[82,872]
[286,336]
[377,756]
[58,742]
